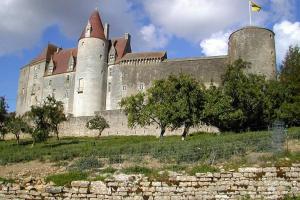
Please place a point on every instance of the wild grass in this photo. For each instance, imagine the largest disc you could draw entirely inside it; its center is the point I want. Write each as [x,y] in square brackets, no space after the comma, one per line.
[65,179]
[197,148]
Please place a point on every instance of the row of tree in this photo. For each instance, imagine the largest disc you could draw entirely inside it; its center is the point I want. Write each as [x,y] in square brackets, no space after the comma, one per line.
[242,102]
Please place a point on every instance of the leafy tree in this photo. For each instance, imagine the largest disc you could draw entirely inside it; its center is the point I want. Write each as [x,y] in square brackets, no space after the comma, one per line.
[219,111]
[289,111]
[18,125]
[241,102]
[97,123]
[149,109]
[55,114]
[173,102]
[3,117]
[186,99]
[46,118]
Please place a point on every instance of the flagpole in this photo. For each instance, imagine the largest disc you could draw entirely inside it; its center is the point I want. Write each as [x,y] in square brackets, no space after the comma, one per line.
[250,13]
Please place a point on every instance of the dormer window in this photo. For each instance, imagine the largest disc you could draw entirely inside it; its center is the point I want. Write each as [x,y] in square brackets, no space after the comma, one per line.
[71,64]
[88,30]
[50,67]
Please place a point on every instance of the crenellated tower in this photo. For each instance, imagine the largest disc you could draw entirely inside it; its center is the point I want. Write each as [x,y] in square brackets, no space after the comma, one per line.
[91,69]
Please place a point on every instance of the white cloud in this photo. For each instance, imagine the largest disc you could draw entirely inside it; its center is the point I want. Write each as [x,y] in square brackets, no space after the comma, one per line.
[216,44]
[23,23]
[287,34]
[195,20]
[154,37]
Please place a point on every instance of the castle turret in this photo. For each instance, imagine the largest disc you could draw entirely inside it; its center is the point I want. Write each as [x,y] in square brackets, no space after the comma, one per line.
[91,69]
[257,46]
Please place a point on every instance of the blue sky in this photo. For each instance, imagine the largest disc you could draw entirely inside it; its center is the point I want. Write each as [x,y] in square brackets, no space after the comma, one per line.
[184,28]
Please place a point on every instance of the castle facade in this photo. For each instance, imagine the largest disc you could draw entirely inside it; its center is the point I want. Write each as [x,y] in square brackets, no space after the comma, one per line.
[94,76]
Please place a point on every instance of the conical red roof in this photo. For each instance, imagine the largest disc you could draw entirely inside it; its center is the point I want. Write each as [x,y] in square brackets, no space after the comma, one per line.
[97,26]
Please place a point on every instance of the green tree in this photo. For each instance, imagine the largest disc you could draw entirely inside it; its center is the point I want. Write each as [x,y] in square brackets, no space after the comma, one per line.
[55,114]
[173,102]
[18,125]
[241,102]
[97,123]
[219,111]
[3,117]
[186,99]
[46,118]
[289,111]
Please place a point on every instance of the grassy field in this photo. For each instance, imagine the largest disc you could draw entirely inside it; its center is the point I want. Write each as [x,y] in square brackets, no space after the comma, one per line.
[197,148]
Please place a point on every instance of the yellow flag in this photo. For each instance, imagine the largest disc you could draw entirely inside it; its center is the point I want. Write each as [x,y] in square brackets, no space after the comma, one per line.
[255,7]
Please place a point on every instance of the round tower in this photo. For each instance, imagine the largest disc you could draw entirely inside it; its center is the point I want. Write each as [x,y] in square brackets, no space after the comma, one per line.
[91,69]
[257,46]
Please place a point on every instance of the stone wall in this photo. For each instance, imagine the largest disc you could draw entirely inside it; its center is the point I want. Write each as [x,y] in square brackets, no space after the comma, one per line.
[76,126]
[253,183]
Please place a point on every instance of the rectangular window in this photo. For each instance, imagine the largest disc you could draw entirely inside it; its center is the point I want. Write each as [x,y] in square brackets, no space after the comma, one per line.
[124,87]
[67,79]
[109,87]
[110,72]
[141,86]
[81,85]
[23,91]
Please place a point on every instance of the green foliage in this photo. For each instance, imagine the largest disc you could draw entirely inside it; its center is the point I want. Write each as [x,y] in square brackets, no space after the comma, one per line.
[55,113]
[108,170]
[65,179]
[4,180]
[202,169]
[172,102]
[46,118]
[3,117]
[240,103]
[18,125]
[87,163]
[197,148]
[289,111]
[97,123]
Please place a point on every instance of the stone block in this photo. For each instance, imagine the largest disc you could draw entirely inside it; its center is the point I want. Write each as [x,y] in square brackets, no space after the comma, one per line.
[54,189]
[98,187]
[80,184]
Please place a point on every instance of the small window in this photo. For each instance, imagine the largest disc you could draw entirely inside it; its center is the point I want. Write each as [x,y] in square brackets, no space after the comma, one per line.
[124,87]
[68,79]
[81,85]
[110,72]
[35,75]
[23,91]
[109,87]
[141,86]
[53,92]
[100,56]
[66,94]
[50,83]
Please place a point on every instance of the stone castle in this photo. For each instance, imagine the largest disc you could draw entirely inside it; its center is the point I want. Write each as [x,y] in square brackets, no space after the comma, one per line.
[100,71]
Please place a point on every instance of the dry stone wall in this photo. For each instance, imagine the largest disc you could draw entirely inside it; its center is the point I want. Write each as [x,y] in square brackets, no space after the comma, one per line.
[253,183]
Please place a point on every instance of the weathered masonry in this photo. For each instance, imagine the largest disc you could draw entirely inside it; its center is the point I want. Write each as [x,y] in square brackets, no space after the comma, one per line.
[94,76]
[246,183]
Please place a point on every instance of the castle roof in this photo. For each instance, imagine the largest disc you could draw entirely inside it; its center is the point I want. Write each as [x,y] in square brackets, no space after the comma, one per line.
[97,30]
[122,46]
[61,60]
[46,53]
[145,55]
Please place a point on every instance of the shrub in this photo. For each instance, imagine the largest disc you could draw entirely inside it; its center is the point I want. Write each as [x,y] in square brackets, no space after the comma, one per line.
[108,170]
[87,163]
[66,178]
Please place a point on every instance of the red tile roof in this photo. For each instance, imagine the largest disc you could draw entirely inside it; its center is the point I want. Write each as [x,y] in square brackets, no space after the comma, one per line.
[46,53]
[61,60]
[122,47]
[97,26]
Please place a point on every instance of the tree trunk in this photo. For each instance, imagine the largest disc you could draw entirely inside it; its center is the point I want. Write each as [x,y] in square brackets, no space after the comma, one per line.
[100,132]
[56,132]
[162,132]
[18,139]
[185,132]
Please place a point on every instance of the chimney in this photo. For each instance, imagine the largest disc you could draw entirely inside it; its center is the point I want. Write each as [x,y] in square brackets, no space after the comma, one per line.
[127,37]
[106,31]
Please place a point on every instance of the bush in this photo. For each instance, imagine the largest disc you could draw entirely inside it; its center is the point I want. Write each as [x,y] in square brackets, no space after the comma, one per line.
[138,170]
[4,180]
[66,178]
[108,170]
[87,163]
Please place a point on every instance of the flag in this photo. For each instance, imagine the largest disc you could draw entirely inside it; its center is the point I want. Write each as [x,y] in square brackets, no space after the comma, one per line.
[255,7]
